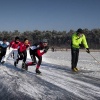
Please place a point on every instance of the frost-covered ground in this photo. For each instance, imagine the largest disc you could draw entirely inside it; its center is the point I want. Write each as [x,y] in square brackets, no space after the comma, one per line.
[57,81]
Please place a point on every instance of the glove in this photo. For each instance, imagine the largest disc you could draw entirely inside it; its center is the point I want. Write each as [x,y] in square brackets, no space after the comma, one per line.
[45,50]
[87,50]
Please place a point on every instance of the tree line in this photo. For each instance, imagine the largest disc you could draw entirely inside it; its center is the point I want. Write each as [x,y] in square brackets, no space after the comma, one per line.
[58,39]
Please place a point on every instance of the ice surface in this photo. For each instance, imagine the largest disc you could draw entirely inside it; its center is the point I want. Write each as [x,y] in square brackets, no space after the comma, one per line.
[57,81]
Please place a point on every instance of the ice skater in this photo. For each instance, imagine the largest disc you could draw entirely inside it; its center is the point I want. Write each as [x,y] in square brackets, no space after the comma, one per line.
[13,48]
[22,52]
[3,48]
[78,39]
[35,52]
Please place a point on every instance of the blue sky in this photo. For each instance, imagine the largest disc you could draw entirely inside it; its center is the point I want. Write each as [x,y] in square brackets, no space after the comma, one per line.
[60,15]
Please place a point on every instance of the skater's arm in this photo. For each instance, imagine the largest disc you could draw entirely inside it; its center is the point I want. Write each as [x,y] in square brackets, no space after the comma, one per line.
[84,42]
[40,53]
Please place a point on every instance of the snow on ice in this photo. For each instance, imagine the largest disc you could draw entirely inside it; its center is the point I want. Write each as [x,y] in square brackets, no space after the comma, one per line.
[57,81]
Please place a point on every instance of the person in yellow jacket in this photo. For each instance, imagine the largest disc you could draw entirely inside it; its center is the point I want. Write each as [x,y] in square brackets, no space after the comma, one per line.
[78,39]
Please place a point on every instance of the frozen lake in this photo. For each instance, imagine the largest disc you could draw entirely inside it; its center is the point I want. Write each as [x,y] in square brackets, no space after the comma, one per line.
[57,82]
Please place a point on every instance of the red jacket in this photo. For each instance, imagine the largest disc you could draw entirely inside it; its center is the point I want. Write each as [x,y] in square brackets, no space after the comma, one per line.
[39,53]
[15,45]
[23,47]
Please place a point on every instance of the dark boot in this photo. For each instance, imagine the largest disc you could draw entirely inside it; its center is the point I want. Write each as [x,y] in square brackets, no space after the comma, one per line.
[37,71]
[2,62]
[17,61]
[26,67]
[23,65]
[15,64]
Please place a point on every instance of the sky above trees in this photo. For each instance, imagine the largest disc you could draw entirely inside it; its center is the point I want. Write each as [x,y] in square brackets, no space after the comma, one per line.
[60,15]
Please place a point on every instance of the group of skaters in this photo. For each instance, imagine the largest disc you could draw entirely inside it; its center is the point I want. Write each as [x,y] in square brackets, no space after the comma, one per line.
[19,50]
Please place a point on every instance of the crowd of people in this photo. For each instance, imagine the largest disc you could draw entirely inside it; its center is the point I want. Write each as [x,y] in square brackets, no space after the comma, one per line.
[19,50]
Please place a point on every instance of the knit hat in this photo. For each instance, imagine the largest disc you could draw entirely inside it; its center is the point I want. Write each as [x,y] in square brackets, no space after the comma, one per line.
[44,41]
[80,31]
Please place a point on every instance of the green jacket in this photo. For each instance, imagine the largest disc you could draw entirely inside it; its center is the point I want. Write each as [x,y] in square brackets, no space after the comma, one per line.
[76,41]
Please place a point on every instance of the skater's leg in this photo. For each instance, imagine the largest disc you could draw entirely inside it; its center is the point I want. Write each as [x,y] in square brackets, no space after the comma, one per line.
[38,64]
[7,55]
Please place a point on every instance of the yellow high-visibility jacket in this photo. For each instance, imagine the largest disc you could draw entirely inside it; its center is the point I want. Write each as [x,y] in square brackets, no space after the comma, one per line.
[76,41]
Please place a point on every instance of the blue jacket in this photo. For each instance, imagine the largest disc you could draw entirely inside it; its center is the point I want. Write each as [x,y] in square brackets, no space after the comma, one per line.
[4,45]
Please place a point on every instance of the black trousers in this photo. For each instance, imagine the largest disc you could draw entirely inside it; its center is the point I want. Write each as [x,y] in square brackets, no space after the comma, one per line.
[2,52]
[33,55]
[22,56]
[74,55]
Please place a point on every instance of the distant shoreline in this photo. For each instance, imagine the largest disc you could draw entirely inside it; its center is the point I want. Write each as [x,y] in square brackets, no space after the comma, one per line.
[82,50]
